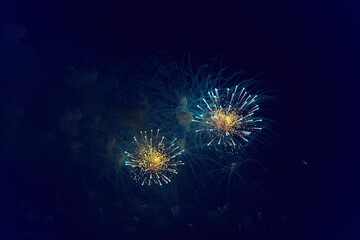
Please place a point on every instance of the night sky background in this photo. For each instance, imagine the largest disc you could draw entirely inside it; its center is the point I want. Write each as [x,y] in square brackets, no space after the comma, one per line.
[307,52]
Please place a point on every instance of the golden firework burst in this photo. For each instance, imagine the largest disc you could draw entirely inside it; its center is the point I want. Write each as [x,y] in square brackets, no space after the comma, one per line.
[154,161]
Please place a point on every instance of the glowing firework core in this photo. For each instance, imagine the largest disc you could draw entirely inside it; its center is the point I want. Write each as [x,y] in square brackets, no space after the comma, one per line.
[152,159]
[225,121]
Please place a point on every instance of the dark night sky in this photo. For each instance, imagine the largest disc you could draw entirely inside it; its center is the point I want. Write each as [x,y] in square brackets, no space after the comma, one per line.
[308,50]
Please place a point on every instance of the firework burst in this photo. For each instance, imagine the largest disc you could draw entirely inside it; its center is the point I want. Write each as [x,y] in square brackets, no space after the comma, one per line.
[228,116]
[153,161]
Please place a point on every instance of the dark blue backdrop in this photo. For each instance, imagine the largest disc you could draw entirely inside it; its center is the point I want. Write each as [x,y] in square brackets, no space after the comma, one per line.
[308,50]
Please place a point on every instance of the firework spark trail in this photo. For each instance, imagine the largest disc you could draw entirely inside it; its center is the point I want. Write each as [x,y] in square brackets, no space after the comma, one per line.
[228,116]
